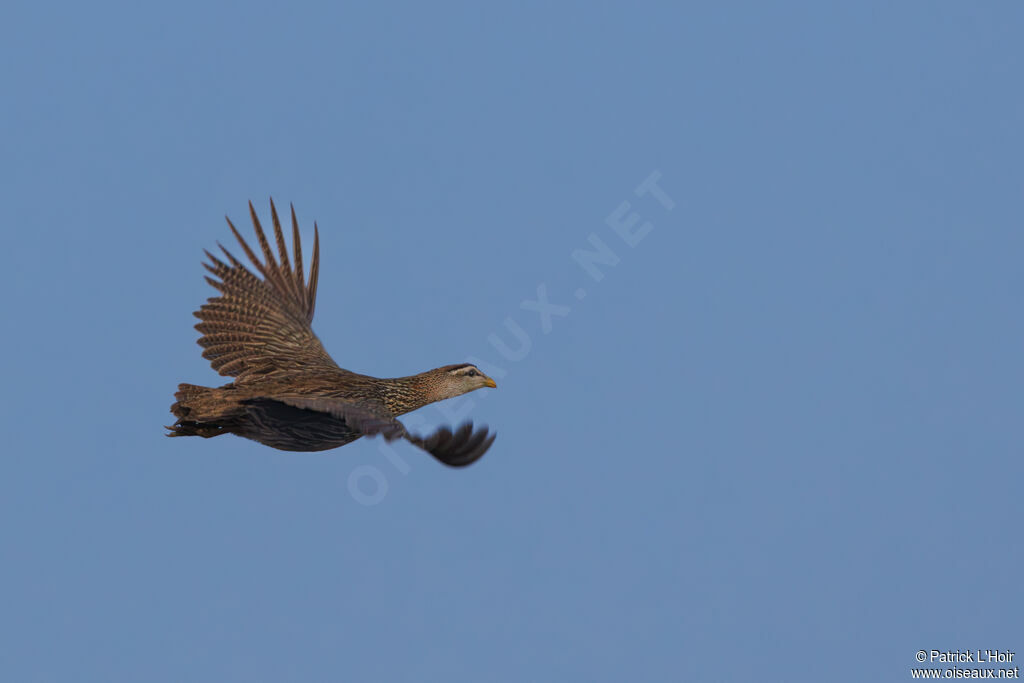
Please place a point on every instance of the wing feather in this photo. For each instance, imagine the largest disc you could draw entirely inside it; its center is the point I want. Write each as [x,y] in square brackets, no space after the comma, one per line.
[456,449]
[261,322]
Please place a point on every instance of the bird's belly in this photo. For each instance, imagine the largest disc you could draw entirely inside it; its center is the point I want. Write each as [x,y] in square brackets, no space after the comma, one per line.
[294,429]
[302,443]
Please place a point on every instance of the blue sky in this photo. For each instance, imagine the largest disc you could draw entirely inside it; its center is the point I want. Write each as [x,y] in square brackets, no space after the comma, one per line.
[779,439]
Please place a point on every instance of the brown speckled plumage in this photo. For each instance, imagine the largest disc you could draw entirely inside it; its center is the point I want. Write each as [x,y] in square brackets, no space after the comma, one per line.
[288,393]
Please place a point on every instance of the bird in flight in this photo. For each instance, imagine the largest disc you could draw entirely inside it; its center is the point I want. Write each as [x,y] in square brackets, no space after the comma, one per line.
[287,392]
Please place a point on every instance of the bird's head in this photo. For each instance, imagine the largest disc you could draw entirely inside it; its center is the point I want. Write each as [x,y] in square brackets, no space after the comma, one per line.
[455,380]
[405,394]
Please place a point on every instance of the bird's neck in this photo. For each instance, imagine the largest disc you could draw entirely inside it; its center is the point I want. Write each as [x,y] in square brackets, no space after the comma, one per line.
[405,394]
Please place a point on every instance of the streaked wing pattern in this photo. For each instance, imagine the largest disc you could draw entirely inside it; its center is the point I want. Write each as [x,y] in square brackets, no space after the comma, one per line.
[256,328]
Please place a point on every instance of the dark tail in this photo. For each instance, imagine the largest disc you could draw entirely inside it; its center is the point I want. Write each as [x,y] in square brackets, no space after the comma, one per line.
[197,409]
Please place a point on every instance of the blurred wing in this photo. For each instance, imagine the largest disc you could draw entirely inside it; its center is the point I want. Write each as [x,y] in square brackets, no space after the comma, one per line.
[259,326]
[455,449]
[458,449]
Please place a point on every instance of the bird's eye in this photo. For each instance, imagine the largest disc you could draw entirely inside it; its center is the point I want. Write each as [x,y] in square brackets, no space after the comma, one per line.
[472,373]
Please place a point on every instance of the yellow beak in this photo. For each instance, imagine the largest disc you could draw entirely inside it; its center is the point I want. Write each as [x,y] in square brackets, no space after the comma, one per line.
[488,382]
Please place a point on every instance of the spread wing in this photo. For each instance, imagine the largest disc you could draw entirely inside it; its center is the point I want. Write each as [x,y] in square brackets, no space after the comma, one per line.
[258,327]
[455,449]
[458,449]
